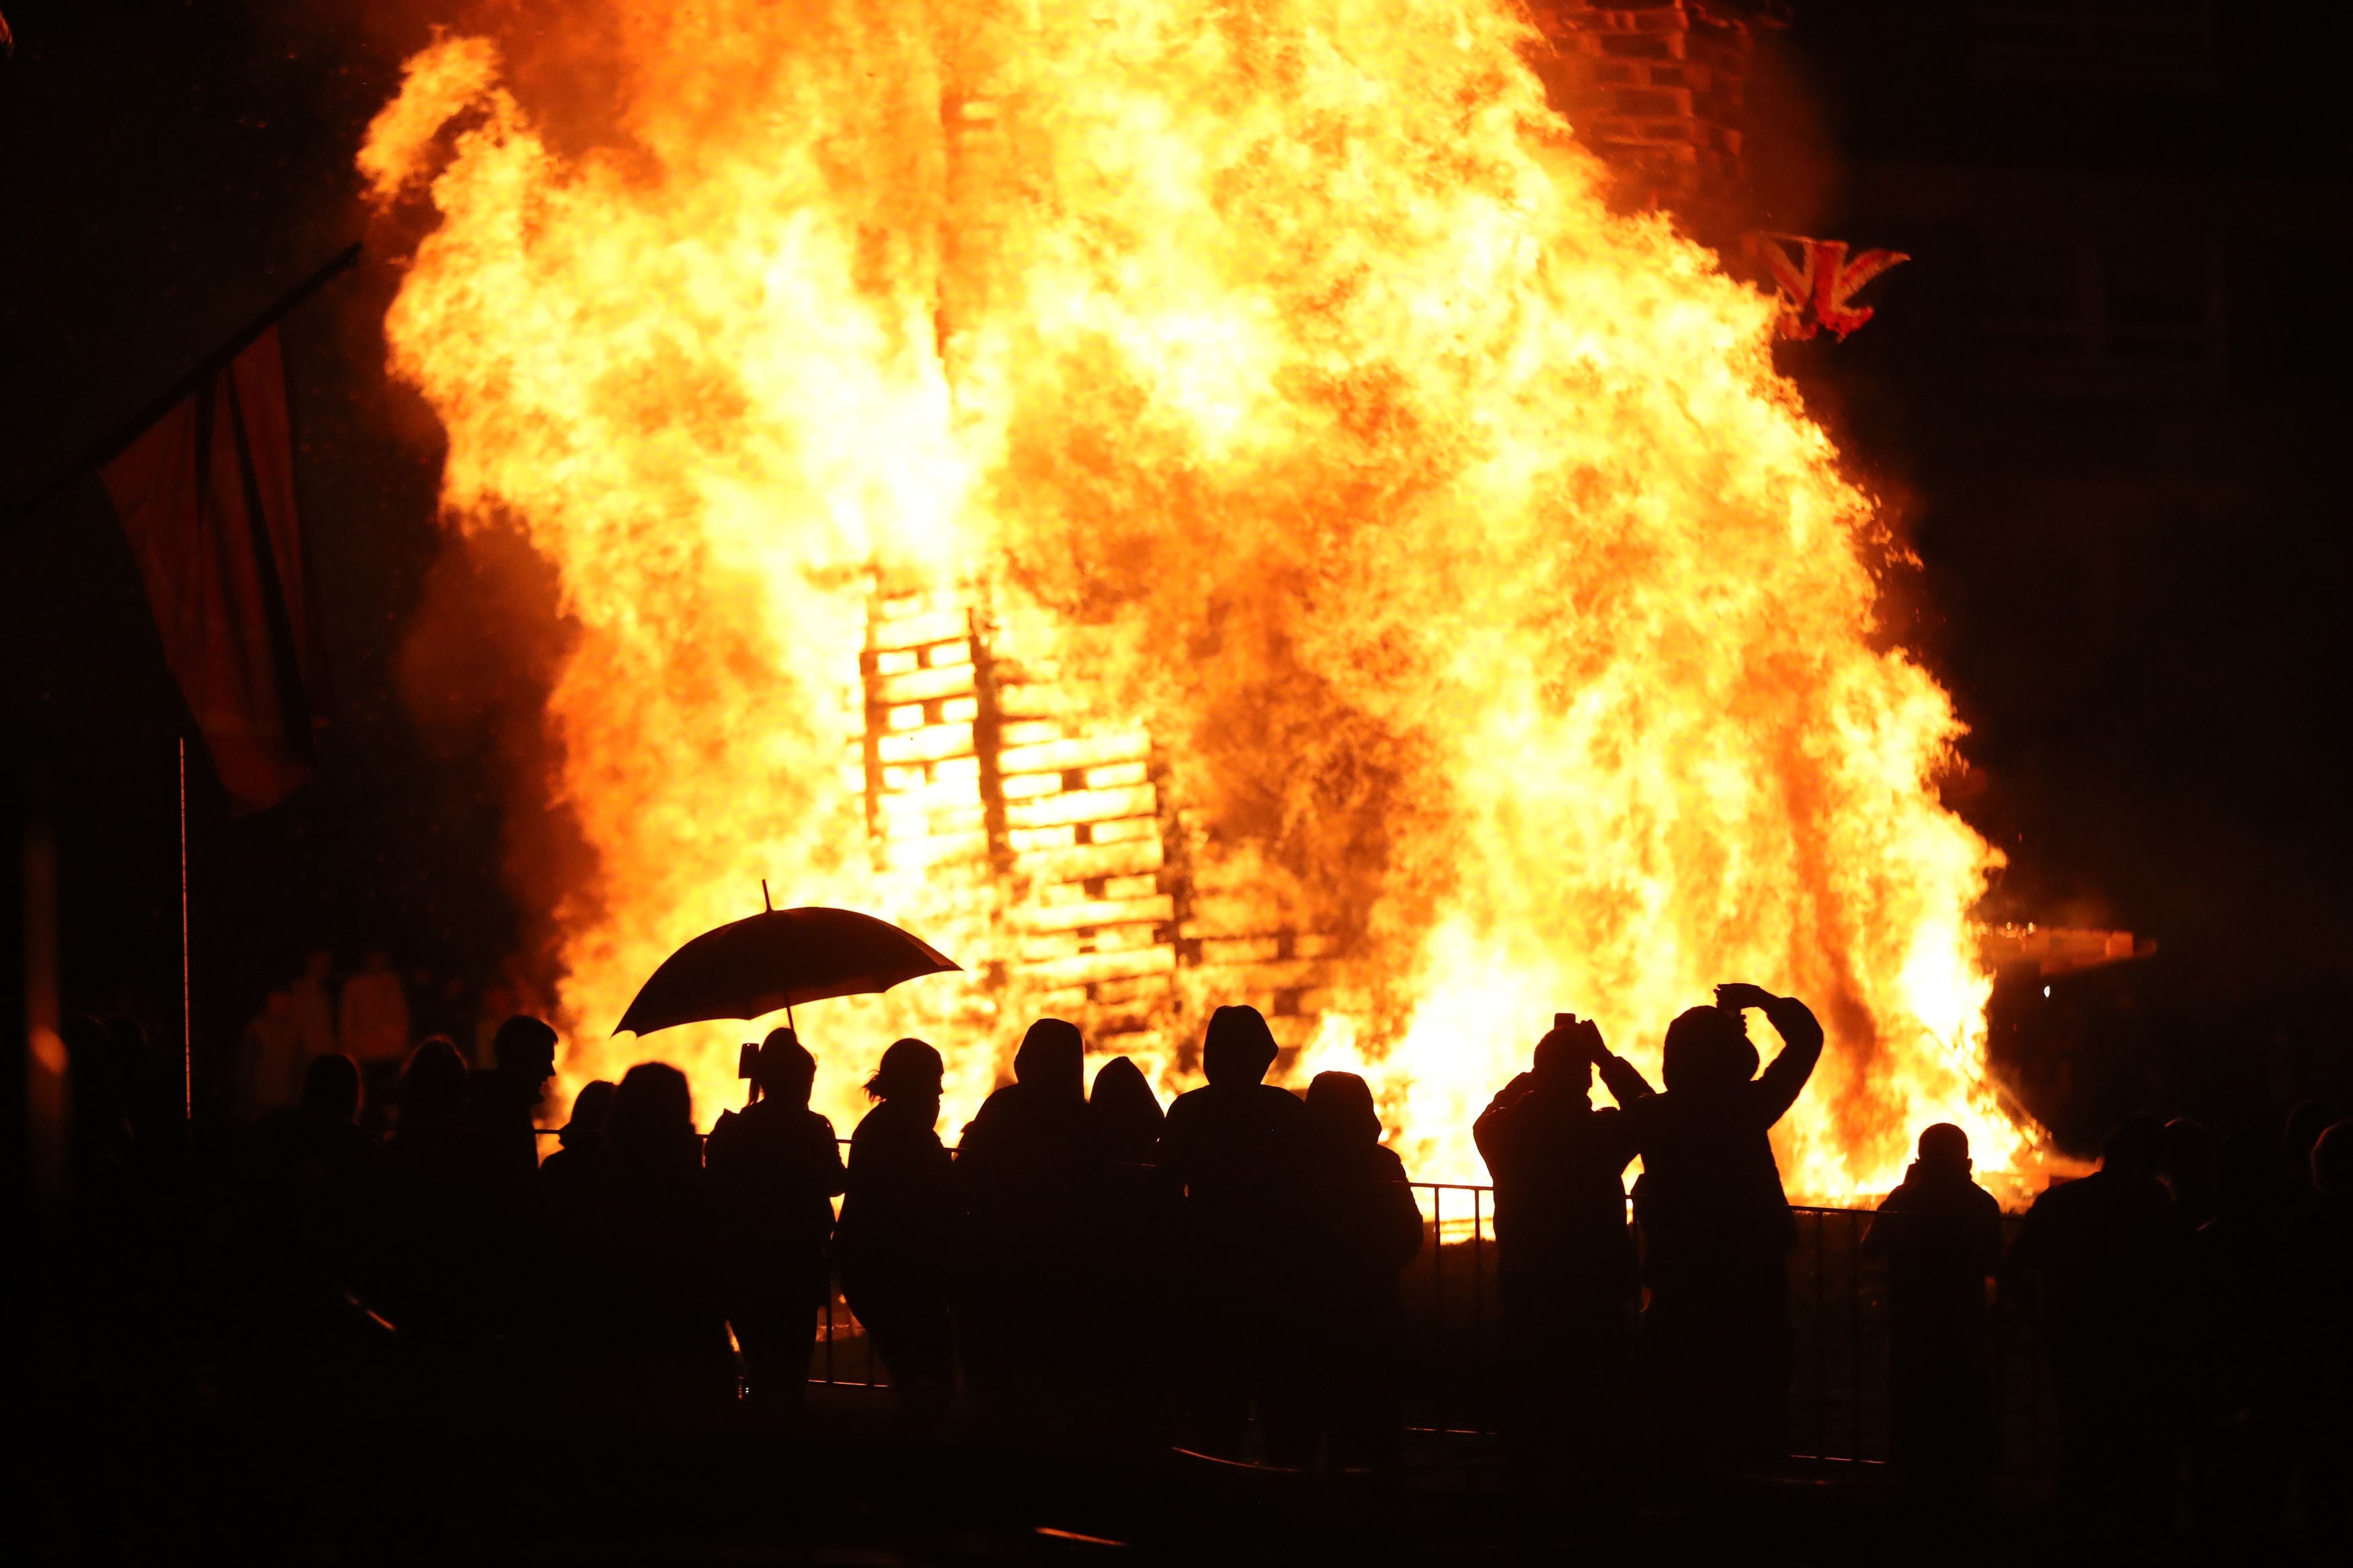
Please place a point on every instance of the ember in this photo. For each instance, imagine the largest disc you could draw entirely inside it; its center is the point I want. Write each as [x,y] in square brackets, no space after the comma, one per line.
[1304,548]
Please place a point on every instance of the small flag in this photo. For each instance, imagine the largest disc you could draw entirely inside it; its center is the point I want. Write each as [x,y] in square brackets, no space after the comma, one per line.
[207,496]
[1818,283]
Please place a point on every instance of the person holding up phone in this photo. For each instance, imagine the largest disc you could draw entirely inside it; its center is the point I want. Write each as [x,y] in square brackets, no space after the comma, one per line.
[1566,1276]
[1716,1226]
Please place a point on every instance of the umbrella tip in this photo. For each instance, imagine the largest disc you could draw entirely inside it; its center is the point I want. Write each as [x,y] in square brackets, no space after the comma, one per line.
[765,902]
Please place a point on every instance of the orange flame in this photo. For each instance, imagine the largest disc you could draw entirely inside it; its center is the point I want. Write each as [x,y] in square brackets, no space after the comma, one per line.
[1276,379]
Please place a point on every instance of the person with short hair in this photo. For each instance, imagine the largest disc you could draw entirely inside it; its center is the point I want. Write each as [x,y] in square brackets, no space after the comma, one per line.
[898,1240]
[1940,1234]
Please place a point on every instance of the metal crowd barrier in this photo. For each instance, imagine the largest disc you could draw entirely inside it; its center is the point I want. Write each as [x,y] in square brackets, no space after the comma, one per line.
[1454,1381]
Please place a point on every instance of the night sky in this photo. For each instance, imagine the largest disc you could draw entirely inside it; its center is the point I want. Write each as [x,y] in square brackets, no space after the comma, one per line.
[2138,600]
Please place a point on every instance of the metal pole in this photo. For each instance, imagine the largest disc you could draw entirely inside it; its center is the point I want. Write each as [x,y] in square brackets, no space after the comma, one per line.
[1821,1355]
[188,1020]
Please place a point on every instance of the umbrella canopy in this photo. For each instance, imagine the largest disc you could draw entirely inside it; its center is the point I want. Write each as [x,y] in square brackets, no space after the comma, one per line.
[780,958]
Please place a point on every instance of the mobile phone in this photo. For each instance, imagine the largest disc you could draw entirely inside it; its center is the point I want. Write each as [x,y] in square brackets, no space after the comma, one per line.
[747,1060]
[1564,1020]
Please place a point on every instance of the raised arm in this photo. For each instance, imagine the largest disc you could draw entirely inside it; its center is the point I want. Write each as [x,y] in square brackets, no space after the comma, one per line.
[1621,1078]
[1801,1045]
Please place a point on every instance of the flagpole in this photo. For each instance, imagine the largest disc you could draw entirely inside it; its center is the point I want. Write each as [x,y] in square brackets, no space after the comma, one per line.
[131,430]
[187,1021]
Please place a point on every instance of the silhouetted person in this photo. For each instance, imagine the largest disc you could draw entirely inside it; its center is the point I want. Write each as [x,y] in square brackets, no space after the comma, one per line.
[2187,1168]
[2305,1122]
[1940,1234]
[1565,1272]
[1125,1115]
[373,1016]
[1235,1145]
[318,1175]
[2101,1258]
[1360,1229]
[899,1239]
[435,1233]
[2240,1317]
[777,1169]
[1716,1226]
[584,1154]
[506,1098]
[1132,1323]
[1030,1176]
[655,1274]
[270,1062]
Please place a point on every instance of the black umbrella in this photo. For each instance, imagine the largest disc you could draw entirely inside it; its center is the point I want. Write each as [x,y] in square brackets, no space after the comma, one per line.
[777,959]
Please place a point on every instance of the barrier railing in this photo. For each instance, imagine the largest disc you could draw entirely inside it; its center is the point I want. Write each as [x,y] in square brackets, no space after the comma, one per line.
[1453,1377]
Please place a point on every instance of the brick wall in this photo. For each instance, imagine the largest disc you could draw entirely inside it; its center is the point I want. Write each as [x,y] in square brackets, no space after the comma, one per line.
[1658,90]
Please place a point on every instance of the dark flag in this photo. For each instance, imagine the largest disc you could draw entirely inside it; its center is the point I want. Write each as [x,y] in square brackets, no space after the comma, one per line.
[207,496]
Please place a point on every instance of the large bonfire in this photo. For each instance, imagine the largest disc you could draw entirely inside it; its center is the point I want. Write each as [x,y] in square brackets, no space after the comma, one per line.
[1277,376]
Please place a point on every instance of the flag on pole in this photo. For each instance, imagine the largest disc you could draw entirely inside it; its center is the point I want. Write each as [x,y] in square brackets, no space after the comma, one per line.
[207,497]
[1817,281]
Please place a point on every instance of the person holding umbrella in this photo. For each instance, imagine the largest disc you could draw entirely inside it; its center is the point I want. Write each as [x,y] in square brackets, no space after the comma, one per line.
[774,1170]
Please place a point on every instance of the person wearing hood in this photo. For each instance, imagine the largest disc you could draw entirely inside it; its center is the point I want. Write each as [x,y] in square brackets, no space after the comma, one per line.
[1940,1234]
[1029,1178]
[1565,1272]
[1715,1225]
[1361,1229]
[1236,1147]
[1130,1326]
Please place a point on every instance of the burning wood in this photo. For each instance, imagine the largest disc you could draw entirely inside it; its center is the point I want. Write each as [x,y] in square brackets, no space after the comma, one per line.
[1328,556]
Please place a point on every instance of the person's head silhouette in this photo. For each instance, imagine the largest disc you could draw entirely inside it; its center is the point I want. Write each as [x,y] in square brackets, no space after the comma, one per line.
[652,1118]
[1707,1047]
[2332,1163]
[1128,1114]
[2135,1147]
[432,1086]
[1562,1065]
[2305,1125]
[783,1068]
[1944,1150]
[525,1049]
[1340,1112]
[1052,1061]
[592,1108]
[909,1078]
[330,1091]
[1238,1048]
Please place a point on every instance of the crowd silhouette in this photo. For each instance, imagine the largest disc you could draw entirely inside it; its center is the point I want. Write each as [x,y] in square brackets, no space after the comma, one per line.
[1226,1274]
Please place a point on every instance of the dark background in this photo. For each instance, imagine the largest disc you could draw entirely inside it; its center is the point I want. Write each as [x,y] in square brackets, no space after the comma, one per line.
[2104,403]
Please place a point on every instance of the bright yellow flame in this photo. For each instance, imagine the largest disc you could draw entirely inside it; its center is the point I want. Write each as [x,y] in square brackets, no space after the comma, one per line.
[1280,372]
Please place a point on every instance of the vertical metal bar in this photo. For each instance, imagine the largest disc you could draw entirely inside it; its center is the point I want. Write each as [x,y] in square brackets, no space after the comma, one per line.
[187,1016]
[1821,1355]
[1854,1328]
[1438,1298]
[1478,1300]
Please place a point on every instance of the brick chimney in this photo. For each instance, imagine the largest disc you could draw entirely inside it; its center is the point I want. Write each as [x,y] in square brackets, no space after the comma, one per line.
[1658,88]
